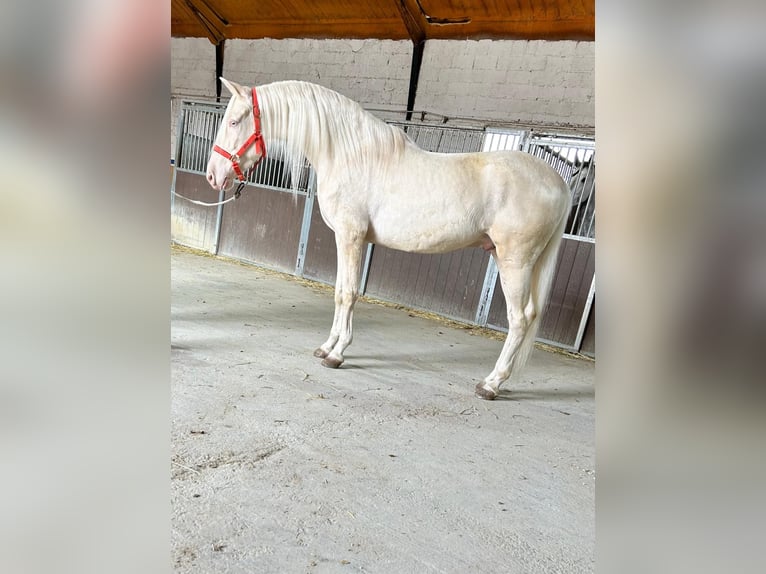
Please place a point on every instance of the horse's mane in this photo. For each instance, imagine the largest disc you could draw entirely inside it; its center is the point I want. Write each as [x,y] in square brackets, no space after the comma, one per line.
[306,119]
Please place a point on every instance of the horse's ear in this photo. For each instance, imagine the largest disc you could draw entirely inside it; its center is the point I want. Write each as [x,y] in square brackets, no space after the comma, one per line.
[234,88]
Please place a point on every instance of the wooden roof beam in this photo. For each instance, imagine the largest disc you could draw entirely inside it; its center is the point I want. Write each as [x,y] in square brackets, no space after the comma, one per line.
[211,21]
[412,21]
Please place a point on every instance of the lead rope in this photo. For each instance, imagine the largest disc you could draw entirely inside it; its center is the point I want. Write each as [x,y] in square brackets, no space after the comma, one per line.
[232,198]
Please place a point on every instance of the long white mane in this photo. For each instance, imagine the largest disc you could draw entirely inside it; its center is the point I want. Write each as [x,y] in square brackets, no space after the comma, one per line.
[305,120]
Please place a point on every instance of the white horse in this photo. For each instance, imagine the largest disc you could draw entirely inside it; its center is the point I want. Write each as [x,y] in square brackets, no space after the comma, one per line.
[375,185]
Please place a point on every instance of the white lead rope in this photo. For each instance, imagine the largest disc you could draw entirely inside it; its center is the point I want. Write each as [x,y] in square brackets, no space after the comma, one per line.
[232,198]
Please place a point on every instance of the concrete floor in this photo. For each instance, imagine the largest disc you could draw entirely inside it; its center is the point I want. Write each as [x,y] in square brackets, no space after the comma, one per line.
[388,464]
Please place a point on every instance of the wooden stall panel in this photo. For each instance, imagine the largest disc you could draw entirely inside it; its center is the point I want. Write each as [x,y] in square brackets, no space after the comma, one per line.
[321,254]
[561,316]
[588,346]
[193,225]
[263,226]
[569,294]
[449,284]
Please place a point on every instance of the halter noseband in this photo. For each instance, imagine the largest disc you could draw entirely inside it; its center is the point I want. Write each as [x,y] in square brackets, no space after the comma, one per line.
[255,138]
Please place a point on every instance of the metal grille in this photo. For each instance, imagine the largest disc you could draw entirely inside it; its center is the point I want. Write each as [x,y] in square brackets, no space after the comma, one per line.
[198,129]
[575,160]
[274,173]
[496,140]
[443,139]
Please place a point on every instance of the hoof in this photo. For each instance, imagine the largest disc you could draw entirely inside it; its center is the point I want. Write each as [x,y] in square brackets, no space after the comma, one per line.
[484,393]
[319,353]
[331,363]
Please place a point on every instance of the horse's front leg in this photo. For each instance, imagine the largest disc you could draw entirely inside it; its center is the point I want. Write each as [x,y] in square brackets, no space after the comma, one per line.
[323,350]
[346,294]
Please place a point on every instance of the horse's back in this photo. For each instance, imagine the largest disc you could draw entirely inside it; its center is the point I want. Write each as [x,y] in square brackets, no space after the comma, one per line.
[505,179]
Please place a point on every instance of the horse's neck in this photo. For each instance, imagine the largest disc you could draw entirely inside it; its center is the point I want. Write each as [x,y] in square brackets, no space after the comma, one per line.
[325,127]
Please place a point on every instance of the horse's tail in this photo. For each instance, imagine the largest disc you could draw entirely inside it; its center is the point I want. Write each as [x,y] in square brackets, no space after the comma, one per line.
[542,279]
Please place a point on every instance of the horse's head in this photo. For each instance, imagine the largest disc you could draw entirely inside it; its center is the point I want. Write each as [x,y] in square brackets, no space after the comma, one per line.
[239,144]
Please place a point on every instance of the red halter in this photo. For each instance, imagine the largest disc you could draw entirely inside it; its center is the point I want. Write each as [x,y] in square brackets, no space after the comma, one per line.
[255,138]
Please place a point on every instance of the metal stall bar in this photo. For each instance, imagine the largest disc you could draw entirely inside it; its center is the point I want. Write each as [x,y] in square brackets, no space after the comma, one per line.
[178,153]
[308,209]
[366,268]
[585,314]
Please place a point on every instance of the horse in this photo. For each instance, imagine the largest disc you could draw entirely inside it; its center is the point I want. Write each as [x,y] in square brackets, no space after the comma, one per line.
[374,184]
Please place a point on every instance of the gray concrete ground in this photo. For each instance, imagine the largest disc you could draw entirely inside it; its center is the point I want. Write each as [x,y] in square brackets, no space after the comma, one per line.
[388,464]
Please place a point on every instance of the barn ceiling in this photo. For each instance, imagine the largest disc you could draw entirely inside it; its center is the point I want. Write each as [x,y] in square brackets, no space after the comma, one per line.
[417,20]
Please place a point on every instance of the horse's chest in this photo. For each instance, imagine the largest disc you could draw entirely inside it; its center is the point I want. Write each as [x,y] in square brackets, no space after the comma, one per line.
[340,209]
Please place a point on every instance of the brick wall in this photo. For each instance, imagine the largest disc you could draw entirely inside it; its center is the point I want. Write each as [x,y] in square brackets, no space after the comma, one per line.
[192,70]
[535,82]
[371,72]
[192,75]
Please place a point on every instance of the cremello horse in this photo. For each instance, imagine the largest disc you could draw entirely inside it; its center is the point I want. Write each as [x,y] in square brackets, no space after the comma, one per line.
[375,185]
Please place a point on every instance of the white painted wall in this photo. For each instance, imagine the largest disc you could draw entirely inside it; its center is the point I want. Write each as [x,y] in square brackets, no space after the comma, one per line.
[192,75]
[371,72]
[192,68]
[532,82]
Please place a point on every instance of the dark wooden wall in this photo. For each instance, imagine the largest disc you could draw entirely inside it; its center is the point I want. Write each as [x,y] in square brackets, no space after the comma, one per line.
[191,224]
[321,252]
[448,284]
[263,226]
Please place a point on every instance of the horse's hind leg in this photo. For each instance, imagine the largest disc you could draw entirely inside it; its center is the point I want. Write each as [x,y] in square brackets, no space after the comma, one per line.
[515,279]
[346,294]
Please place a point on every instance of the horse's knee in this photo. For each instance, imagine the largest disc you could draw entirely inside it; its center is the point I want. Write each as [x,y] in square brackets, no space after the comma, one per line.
[518,322]
[346,298]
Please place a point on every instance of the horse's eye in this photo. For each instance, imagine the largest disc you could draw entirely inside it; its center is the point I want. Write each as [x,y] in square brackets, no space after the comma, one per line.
[233,123]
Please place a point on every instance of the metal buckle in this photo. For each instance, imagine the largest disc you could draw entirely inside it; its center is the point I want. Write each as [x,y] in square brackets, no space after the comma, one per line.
[239,189]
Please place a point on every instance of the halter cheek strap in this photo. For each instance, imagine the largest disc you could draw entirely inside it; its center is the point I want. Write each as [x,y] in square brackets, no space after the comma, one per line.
[255,138]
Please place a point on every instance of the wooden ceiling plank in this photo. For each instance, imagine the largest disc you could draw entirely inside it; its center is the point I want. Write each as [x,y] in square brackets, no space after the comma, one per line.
[441,21]
[417,20]
[395,31]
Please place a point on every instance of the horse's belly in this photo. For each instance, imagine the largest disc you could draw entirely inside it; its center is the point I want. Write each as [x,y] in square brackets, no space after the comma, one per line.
[409,236]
